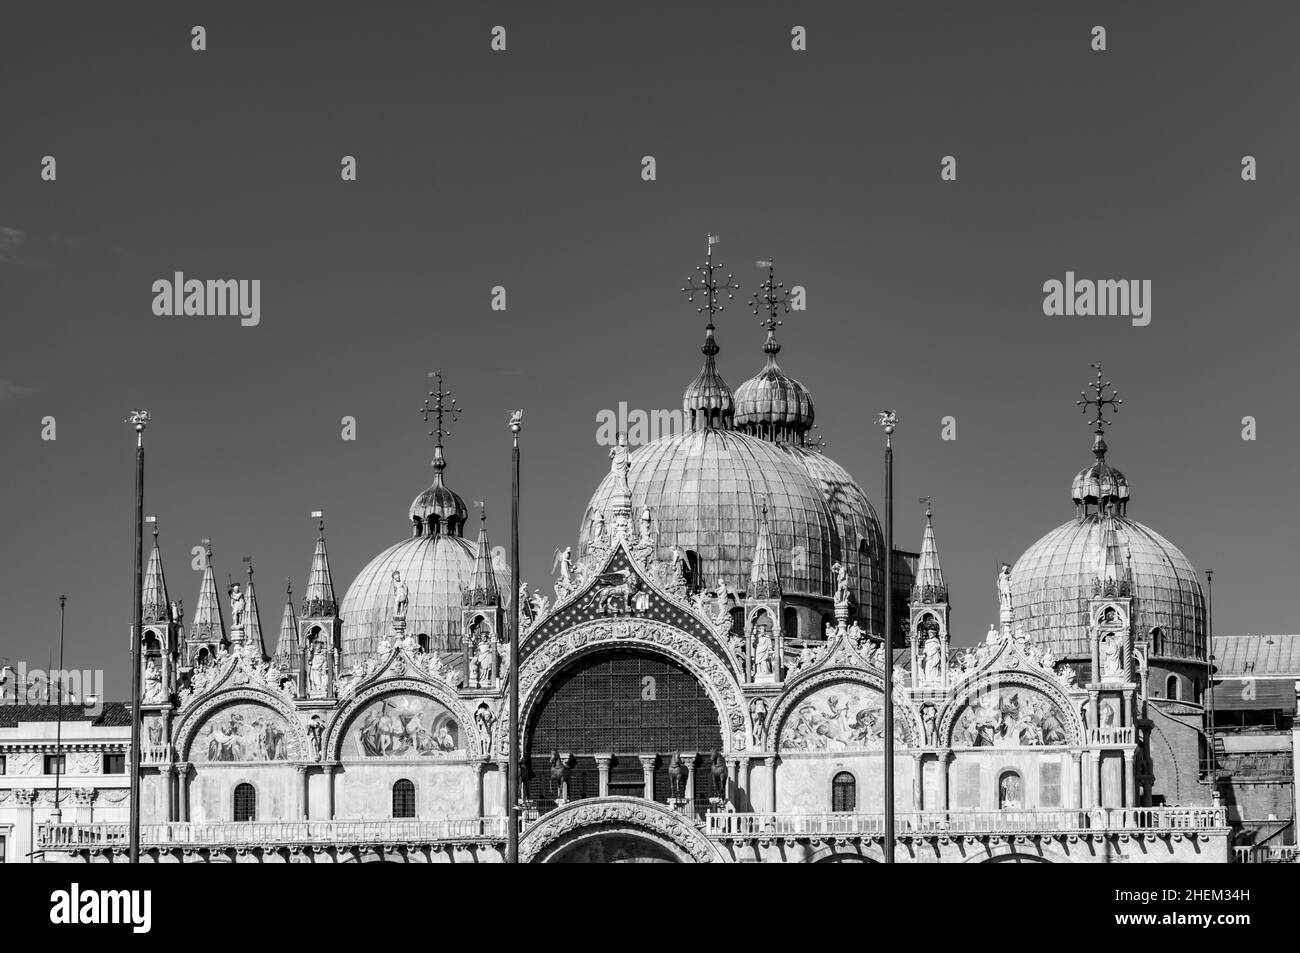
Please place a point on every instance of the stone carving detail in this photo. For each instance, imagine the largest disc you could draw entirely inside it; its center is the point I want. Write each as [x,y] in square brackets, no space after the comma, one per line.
[414,682]
[1011,708]
[630,813]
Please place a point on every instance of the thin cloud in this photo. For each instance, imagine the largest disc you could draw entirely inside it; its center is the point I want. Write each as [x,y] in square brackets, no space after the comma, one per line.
[10,390]
[11,240]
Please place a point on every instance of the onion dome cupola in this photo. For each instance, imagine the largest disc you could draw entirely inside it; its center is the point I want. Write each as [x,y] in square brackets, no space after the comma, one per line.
[1103,552]
[707,402]
[771,404]
[439,509]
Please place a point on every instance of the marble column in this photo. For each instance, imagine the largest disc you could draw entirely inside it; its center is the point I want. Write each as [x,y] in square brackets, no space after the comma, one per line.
[918,788]
[648,773]
[733,782]
[1076,779]
[479,769]
[945,759]
[329,786]
[301,770]
[689,758]
[183,794]
[24,829]
[1130,780]
[771,784]
[602,771]
[1098,796]
[746,777]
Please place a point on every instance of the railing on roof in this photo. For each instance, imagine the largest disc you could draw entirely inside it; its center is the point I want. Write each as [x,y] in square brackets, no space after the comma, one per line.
[265,833]
[921,823]
[1285,854]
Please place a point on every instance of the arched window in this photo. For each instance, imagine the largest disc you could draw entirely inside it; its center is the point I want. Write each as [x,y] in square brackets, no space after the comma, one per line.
[1173,688]
[419,525]
[423,640]
[403,799]
[844,792]
[245,802]
[692,569]
[790,623]
[738,621]
[1010,792]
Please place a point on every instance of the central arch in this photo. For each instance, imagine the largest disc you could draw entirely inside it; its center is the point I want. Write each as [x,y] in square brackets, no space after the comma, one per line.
[621,829]
[619,714]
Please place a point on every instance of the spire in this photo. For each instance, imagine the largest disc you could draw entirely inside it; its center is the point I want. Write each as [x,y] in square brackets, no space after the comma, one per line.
[156,606]
[708,402]
[253,641]
[319,600]
[438,510]
[206,625]
[929,585]
[483,589]
[286,646]
[764,580]
[1113,575]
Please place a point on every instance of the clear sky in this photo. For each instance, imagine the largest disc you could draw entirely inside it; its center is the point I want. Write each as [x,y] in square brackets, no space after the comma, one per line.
[523,169]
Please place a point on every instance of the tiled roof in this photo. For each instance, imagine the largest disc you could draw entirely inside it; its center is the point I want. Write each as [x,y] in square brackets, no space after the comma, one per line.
[113,715]
[1257,655]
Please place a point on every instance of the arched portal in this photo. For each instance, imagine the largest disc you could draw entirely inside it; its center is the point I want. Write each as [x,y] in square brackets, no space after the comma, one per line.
[634,708]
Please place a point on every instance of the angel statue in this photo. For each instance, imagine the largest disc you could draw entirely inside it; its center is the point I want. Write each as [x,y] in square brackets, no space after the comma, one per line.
[564,563]
[618,454]
[516,420]
[401,596]
[525,604]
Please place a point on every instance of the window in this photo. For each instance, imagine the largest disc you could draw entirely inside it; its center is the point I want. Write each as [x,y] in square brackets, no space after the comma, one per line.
[3,765]
[403,799]
[1172,688]
[56,764]
[115,764]
[844,792]
[245,802]
[790,623]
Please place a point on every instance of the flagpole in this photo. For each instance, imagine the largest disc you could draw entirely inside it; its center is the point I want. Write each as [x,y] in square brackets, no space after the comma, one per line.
[512,773]
[888,421]
[57,814]
[140,419]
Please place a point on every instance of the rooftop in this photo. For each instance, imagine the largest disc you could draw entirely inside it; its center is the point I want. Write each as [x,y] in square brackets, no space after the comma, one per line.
[1236,655]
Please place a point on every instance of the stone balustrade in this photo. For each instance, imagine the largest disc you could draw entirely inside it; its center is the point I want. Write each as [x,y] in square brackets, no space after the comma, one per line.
[963,823]
[259,833]
[1111,736]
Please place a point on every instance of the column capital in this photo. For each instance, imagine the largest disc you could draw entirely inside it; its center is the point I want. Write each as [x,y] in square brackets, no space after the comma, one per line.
[648,761]
[301,768]
[1076,756]
[25,796]
[770,760]
[603,760]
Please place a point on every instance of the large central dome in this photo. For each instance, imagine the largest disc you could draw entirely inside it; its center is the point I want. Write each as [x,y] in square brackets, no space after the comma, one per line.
[706,491]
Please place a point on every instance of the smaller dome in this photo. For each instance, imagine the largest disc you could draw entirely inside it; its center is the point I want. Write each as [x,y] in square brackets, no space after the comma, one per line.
[707,400]
[439,509]
[772,405]
[1100,483]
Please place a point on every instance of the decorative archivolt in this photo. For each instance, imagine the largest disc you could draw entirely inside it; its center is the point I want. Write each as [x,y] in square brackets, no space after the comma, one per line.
[1011,696]
[859,733]
[632,815]
[718,679]
[412,681]
[194,717]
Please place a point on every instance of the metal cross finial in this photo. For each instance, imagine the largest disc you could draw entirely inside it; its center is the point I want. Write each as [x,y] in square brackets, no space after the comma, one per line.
[709,285]
[772,297]
[926,501]
[1100,401]
[444,407]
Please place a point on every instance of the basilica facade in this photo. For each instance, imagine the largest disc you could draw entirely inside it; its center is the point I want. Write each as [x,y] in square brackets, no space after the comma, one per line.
[703,683]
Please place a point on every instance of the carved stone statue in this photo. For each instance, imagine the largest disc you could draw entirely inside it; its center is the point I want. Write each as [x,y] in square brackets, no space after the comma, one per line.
[678,772]
[484,718]
[929,717]
[565,562]
[401,596]
[315,734]
[598,525]
[618,454]
[236,606]
[1004,587]
[932,661]
[991,638]
[718,775]
[763,651]
[485,662]
[153,686]
[560,771]
[841,572]
[758,720]
[1112,657]
[645,524]
[318,671]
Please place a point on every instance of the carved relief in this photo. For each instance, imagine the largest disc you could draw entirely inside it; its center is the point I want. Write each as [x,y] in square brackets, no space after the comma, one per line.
[630,814]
